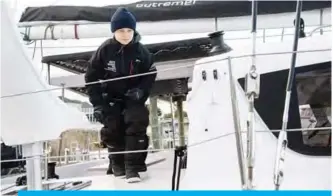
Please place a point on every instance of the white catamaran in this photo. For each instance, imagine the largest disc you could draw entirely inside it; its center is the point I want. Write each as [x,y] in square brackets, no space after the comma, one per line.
[245,103]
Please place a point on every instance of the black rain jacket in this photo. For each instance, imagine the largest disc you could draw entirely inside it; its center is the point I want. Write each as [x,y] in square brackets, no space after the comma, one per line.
[113,60]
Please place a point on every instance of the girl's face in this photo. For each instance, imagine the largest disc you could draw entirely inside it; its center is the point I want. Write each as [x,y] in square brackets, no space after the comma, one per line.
[124,35]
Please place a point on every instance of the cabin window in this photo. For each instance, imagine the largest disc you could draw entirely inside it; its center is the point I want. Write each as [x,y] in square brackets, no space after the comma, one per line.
[310,106]
[314,98]
[314,117]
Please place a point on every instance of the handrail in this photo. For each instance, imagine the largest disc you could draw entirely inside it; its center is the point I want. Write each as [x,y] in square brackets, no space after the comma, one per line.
[263,36]
[318,28]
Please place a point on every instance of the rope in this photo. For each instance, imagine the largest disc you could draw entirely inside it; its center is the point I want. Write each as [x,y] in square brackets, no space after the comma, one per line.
[171,149]
[162,70]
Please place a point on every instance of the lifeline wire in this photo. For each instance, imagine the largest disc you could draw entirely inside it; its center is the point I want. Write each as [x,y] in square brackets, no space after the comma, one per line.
[162,70]
[172,149]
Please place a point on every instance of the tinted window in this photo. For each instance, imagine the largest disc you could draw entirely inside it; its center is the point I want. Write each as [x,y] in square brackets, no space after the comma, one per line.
[310,106]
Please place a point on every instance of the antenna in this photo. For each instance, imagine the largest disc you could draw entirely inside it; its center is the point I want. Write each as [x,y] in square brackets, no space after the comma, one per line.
[218,45]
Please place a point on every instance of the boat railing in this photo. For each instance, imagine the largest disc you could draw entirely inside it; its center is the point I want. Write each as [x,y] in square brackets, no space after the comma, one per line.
[319,28]
[262,34]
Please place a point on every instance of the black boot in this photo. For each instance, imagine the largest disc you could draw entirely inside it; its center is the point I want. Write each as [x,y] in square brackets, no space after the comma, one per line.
[119,173]
[109,171]
[132,177]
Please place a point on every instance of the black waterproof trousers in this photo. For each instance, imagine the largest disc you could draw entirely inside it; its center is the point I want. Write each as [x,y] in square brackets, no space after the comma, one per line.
[125,128]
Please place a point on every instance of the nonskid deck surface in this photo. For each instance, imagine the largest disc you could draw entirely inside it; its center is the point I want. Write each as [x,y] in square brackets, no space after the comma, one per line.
[95,178]
[158,177]
[64,171]
[152,159]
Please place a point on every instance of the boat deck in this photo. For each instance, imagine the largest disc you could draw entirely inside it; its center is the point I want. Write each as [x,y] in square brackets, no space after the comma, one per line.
[158,177]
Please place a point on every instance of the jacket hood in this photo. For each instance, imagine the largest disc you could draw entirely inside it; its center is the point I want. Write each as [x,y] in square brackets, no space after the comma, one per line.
[136,38]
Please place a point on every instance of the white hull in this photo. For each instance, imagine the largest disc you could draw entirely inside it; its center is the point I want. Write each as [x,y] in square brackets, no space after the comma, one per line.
[211,165]
[209,107]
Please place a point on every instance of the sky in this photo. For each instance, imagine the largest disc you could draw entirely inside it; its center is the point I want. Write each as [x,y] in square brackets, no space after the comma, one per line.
[72,46]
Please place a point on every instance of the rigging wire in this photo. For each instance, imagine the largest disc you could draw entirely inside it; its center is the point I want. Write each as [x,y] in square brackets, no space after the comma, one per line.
[252,82]
[282,139]
[162,70]
[188,146]
[237,127]
[227,39]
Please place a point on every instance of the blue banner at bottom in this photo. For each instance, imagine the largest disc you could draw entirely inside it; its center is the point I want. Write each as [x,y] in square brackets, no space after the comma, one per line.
[185,193]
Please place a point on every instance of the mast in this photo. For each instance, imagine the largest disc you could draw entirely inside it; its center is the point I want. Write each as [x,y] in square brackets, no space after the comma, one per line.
[283,140]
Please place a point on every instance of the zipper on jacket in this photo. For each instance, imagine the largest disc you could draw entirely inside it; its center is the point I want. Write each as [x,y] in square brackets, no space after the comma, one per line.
[131,67]
[122,59]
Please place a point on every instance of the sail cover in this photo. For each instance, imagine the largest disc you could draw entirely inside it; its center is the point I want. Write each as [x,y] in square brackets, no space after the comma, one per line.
[165,10]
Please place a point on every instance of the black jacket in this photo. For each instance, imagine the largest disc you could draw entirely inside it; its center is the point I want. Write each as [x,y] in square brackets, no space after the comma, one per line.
[113,60]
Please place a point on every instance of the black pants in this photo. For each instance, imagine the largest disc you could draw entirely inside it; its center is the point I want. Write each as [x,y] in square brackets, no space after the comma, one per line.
[125,128]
